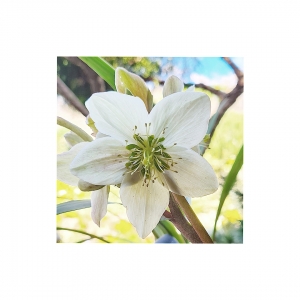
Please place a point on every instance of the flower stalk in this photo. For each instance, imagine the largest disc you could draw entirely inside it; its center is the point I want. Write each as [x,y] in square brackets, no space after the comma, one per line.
[192,217]
[181,223]
[64,123]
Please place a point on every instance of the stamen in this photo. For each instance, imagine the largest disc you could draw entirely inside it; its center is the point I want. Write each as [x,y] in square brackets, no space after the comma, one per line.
[148,155]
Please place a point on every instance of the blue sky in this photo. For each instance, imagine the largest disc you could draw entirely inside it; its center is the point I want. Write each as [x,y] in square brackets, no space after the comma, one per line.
[210,67]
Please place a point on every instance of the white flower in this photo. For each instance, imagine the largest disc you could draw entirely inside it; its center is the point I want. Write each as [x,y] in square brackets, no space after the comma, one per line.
[149,154]
[99,197]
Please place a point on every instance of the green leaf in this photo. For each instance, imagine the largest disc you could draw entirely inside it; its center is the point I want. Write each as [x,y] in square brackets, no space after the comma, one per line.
[72,205]
[76,205]
[169,227]
[102,68]
[229,182]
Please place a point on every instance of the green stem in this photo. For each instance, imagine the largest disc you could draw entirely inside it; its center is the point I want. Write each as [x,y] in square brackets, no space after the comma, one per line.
[171,231]
[64,123]
[82,232]
[192,217]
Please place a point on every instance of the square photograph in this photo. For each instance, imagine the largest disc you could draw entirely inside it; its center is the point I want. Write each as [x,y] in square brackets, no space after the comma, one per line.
[150,150]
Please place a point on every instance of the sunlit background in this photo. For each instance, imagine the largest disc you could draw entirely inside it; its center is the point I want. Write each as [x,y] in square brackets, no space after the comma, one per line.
[224,147]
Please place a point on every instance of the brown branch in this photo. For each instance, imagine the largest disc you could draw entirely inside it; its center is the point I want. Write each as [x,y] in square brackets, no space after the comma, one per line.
[167,214]
[96,83]
[211,89]
[236,70]
[182,224]
[192,217]
[227,101]
[63,90]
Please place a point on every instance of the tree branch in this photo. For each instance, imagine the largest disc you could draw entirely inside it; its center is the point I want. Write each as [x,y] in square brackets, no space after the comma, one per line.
[63,90]
[96,83]
[236,70]
[227,101]
[212,90]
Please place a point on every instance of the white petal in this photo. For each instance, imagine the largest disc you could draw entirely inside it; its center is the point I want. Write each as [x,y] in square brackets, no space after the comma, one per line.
[102,162]
[145,205]
[172,85]
[116,114]
[63,164]
[195,177]
[100,135]
[185,116]
[190,89]
[99,204]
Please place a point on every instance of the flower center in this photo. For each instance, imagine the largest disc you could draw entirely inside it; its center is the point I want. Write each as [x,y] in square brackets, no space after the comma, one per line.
[148,155]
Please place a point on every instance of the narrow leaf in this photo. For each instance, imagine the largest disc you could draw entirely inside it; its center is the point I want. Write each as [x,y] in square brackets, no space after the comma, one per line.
[159,231]
[102,68]
[229,182]
[76,205]
[72,205]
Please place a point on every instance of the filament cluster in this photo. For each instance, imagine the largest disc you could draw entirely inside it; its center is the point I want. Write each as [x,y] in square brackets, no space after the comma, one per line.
[148,155]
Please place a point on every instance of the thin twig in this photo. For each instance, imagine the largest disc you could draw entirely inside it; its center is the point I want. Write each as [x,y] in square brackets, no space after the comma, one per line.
[211,89]
[236,70]
[63,90]
[82,232]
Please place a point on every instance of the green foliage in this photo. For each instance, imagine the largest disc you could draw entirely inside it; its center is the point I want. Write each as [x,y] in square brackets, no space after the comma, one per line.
[225,144]
[230,233]
[102,68]
[229,182]
[171,230]
[143,66]
[74,78]
[72,205]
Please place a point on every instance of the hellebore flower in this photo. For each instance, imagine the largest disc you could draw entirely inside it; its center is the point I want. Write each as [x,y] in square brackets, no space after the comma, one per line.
[149,154]
[99,197]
